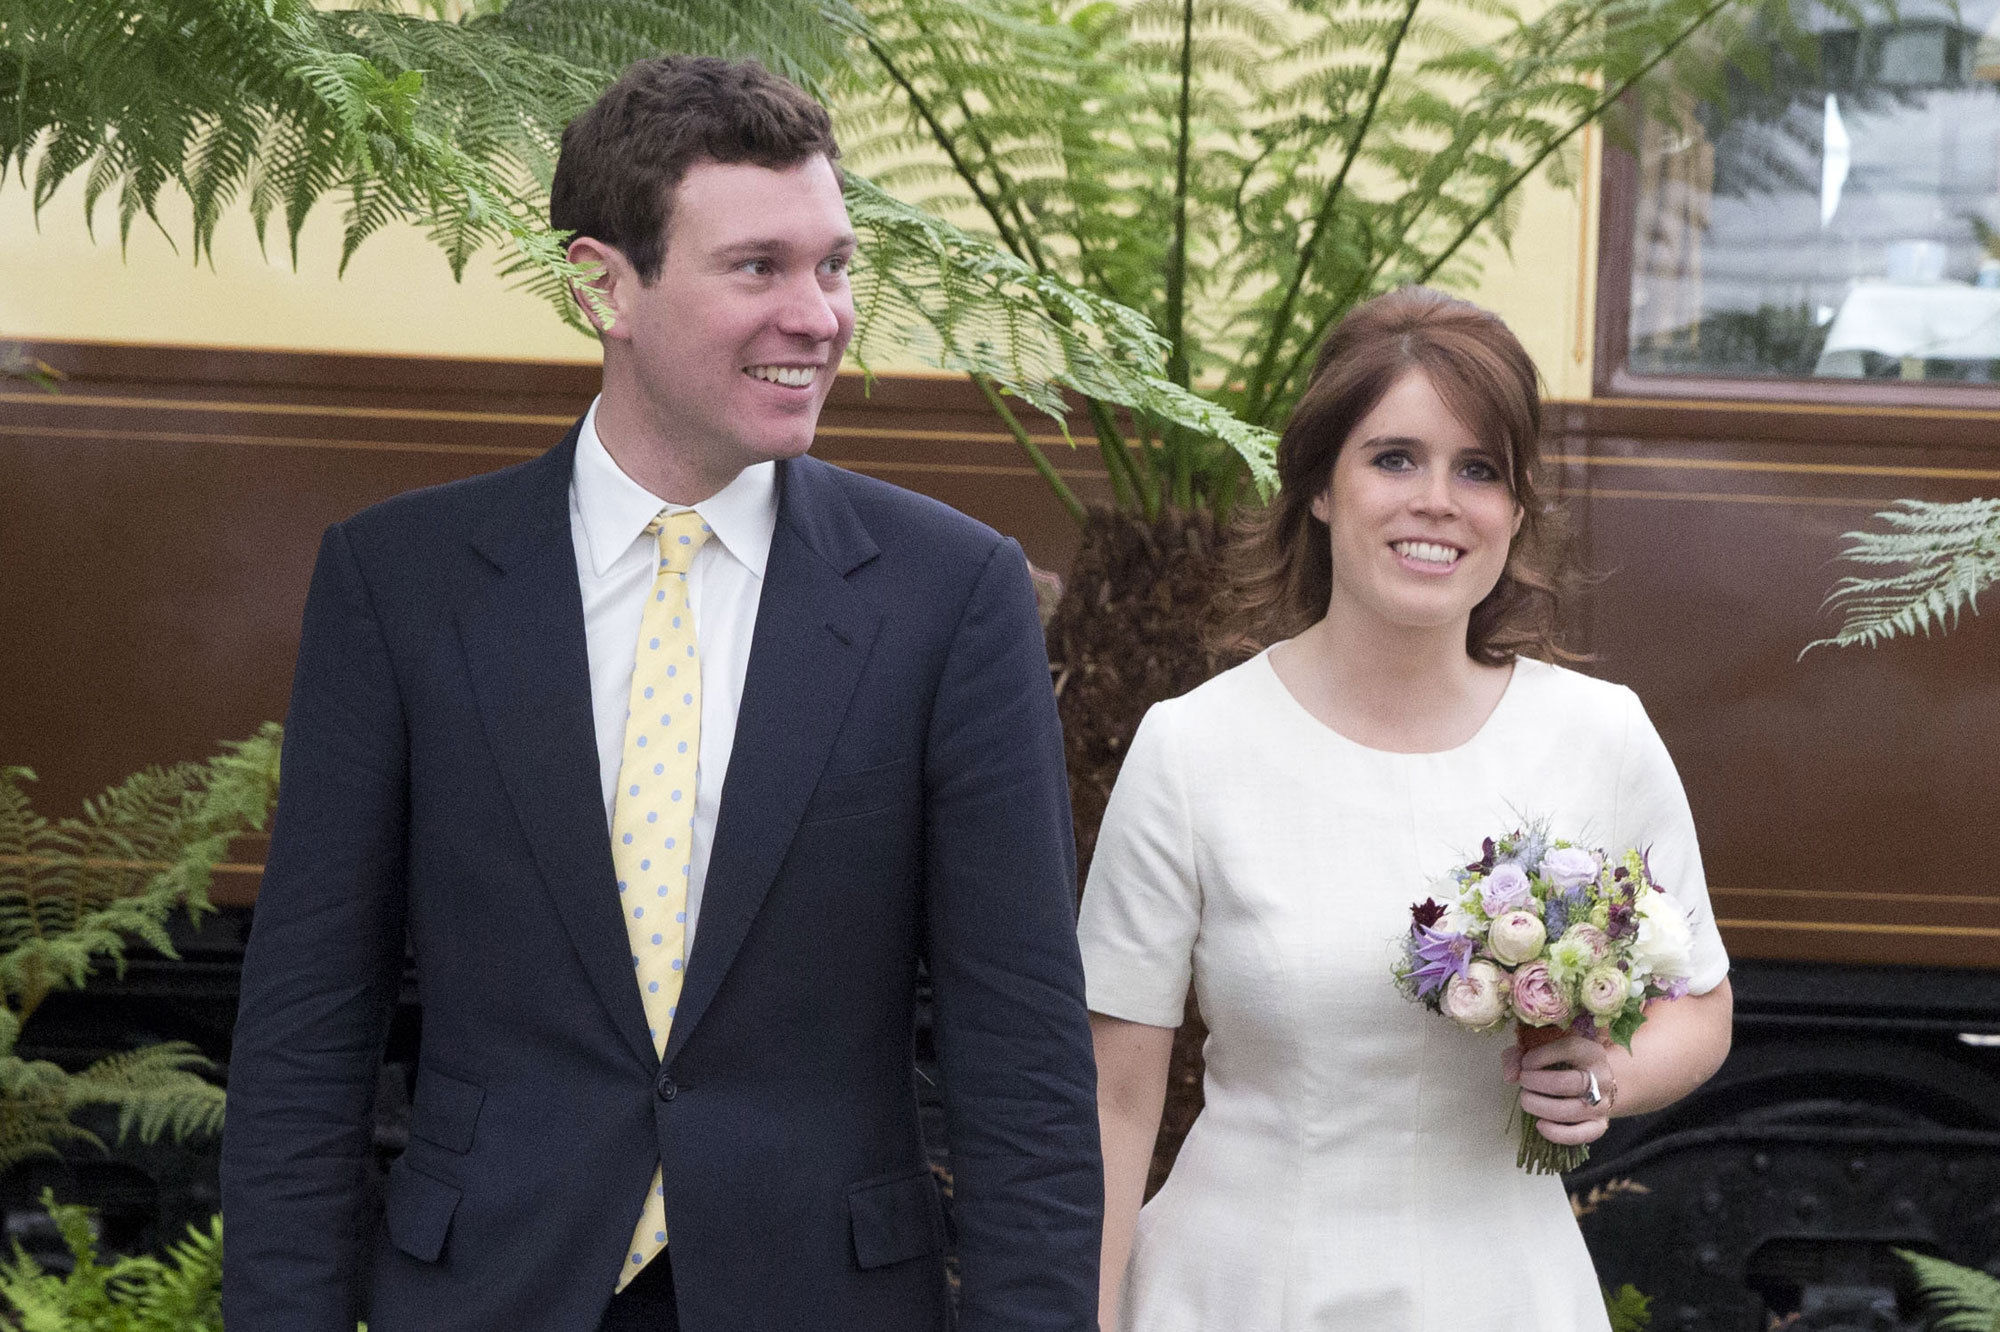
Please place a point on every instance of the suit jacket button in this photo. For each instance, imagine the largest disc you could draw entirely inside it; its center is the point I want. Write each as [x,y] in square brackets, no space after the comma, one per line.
[665,1087]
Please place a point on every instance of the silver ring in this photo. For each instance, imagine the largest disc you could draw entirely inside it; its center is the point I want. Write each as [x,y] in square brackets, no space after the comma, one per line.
[1592,1095]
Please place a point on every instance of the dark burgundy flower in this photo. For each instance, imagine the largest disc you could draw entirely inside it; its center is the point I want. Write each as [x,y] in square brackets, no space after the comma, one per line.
[1621,919]
[1426,913]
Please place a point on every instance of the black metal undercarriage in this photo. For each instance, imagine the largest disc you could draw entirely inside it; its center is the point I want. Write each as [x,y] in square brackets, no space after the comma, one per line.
[1858,1112]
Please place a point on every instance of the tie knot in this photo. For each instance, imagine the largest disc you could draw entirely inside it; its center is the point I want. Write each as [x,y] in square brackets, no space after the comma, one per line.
[680,536]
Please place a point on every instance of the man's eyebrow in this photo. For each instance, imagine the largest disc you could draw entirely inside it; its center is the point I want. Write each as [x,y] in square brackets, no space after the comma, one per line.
[771,245]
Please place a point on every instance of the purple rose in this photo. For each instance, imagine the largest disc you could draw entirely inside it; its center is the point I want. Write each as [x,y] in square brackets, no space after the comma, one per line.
[1569,867]
[1538,1000]
[1505,889]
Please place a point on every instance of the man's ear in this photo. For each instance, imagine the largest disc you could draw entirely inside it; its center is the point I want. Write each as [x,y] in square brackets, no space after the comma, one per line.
[603,299]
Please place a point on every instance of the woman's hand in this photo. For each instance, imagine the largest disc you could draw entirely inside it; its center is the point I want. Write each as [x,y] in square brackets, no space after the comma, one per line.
[1559,1083]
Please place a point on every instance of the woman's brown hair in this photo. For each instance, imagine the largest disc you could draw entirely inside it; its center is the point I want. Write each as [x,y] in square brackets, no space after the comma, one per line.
[1280,567]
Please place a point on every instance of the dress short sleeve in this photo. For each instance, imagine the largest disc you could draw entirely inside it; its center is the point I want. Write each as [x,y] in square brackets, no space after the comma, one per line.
[1653,814]
[1142,902]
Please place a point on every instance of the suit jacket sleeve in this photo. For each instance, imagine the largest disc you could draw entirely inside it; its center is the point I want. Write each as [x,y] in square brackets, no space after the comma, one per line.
[319,977]
[1014,1037]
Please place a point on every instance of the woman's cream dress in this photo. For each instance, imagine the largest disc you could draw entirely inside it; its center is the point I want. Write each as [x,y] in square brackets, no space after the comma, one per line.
[1353,1169]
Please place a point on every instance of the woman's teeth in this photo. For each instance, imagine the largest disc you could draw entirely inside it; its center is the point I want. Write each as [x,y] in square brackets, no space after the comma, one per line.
[1430,552]
[791,376]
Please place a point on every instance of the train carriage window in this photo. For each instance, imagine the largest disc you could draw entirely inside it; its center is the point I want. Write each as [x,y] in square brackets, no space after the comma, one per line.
[1838,221]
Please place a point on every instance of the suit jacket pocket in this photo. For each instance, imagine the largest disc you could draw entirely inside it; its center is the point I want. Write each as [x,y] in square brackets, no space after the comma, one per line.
[446,1109]
[895,1218]
[419,1211]
[848,794]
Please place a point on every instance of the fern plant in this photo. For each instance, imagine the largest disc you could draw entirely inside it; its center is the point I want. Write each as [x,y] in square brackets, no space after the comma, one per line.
[449,113]
[1243,172]
[1945,555]
[73,894]
[1956,1299]
[180,1293]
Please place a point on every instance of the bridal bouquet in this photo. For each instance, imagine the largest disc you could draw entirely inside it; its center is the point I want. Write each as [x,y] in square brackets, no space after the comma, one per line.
[1553,937]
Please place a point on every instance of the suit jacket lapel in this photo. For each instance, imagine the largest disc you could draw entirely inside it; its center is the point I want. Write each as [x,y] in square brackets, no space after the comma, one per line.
[813,634]
[524,645]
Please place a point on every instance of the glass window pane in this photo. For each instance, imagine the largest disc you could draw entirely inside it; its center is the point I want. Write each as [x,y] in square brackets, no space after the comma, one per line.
[1841,220]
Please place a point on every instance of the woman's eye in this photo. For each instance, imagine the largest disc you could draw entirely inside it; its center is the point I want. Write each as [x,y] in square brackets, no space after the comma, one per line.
[1481,470]
[1395,460]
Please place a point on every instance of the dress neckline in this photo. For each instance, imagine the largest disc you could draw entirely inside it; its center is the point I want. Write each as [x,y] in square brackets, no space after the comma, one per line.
[1505,703]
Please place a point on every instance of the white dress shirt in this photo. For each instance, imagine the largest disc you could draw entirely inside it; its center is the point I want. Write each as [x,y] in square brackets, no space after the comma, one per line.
[615,564]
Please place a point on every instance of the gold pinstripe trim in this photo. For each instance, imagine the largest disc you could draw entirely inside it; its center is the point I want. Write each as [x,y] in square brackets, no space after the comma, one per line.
[1726,497]
[1856,927]
[1797,469]
[1949,899]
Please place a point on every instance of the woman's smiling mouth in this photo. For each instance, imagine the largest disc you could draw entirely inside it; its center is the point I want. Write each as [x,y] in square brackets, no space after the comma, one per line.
[1427,556]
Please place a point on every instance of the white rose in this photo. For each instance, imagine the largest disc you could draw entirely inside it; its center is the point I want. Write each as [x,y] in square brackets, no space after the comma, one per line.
[1664,949]
[1477,999]
[1516,937]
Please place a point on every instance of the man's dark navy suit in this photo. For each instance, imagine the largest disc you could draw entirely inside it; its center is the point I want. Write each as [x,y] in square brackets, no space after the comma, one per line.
[895,793]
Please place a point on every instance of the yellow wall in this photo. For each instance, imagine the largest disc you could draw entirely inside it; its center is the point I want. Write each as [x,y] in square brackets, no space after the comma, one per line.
[398,295]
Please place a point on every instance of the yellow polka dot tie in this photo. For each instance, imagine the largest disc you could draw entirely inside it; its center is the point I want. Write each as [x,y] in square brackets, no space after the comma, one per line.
[652,821]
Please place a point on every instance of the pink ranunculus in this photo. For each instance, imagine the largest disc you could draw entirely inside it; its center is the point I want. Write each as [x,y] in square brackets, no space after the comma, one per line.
[1569,867]
[1605,990]
[1478,999]
[1516,937]
[1596,940]
[1538,1000]
[1505,889]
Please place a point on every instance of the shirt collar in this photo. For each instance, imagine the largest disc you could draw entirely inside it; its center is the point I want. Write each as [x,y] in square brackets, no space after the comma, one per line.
[615,509]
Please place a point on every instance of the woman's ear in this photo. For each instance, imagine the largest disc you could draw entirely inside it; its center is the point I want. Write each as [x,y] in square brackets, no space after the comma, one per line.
[601,298]
[1322,503]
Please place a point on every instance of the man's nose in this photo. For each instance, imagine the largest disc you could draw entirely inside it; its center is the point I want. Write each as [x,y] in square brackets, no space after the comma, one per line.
[809,313]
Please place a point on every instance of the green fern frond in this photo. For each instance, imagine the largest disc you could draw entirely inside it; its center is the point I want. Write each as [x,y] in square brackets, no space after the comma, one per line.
[129,1294]
[995,316]
[158,1091]
[1956,1299]
[1952,554]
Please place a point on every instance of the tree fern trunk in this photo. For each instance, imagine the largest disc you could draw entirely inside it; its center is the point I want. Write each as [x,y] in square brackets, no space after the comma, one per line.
[1127,634]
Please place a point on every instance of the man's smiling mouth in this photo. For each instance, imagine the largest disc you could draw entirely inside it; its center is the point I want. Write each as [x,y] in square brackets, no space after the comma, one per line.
[791,376]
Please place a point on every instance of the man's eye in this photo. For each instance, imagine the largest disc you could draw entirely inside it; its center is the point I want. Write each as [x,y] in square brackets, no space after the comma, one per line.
[757,267]
[837,264]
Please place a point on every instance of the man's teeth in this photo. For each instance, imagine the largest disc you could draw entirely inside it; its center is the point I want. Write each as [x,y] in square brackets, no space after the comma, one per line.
[791,376]
[1427,551]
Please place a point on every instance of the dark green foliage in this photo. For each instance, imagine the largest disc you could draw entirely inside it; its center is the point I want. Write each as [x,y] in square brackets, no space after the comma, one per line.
[1956,1299]
[182,1293]
[1770,340]
[74,894]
